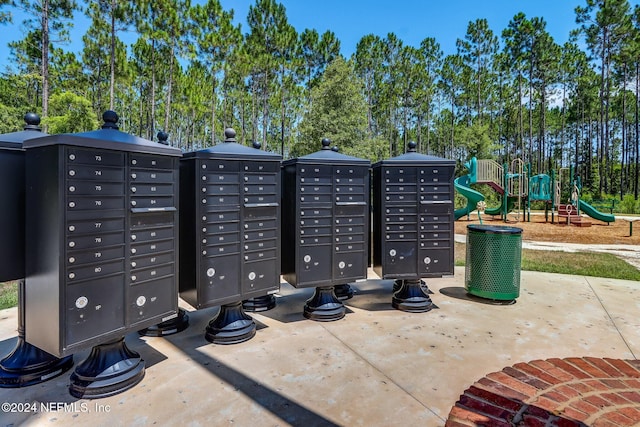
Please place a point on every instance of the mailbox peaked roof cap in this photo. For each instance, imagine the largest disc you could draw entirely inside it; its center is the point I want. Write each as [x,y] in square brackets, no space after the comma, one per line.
[14,140]
[107,138]
[232,150]
[414,157]
[327,156]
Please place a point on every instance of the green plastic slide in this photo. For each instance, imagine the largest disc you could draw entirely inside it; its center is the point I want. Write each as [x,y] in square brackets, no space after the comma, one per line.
[594,213]
[461,184]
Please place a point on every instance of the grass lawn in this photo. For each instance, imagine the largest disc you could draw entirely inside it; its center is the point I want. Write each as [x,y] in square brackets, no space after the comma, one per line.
[8,294]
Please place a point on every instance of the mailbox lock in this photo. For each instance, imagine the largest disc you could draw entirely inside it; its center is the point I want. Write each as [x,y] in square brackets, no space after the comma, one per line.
[82,302]
[72,189]
[307,258]
[341,265]
[134,176]
[133,203]
[72,172]
[140,301]
[72,244]
[392,252]
[72,275]
[133,237]
[211,272]
[72,204]
[133,264]
[133,189]
[72,228]
[427,260]
[72,260]
[72,156]
[252,276]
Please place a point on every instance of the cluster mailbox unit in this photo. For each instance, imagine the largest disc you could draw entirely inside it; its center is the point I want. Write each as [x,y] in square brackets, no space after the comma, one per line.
[26,364]
[413,223]
[102,255]
[229,233]
[325,226]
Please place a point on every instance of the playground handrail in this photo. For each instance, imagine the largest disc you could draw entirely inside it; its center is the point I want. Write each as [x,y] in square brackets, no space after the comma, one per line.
[490,171]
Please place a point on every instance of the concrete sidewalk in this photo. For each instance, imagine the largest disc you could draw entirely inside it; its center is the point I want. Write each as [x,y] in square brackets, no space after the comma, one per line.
[376,367]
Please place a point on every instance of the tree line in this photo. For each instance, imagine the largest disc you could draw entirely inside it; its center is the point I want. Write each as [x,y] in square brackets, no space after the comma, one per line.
[191,72]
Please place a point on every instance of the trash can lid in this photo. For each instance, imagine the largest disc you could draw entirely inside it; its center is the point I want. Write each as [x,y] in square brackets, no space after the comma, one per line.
[494,229]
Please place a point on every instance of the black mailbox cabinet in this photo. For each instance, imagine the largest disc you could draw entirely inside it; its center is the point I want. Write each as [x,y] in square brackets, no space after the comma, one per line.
[102,235]
[413,229]
[229,233]
[325,221]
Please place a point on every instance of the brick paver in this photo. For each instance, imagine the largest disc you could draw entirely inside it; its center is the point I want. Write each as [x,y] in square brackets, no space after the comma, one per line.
[570,392]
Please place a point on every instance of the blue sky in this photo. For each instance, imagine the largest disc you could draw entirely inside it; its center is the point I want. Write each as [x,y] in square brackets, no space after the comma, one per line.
[410,20]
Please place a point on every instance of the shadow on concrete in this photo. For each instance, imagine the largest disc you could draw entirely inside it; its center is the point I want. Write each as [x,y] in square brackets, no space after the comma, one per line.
[461,293]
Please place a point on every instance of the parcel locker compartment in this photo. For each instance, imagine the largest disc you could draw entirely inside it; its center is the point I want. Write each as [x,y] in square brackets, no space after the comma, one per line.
[142,202]
[151,299]
[95,255]
[144,248]
[261,234]
[93,308]
[269,167]
[219,278]
[314,264]
[316,240]
[94,157]
[261,275]
[95,173]
[152,260]
[435,261]
[102,225]
[94,203]
[349,265]
[150,176]
[139,275]
[159,233]
[94,188]
[260,245]
[99,268]
[153,189]
[147,161]
[96,240]
[399,257]
[215,189]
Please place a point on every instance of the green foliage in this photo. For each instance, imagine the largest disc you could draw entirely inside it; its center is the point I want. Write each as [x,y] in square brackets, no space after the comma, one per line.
[8,295]
[70,113]
[628,205]
[338,112]
[10,120]
[477,141]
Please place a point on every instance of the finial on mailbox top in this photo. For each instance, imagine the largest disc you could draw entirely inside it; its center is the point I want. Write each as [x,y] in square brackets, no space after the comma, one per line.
[110,120]
[335,148]
[412,146]
[257,145]
[229,135]
[326,142]
[163,137]
[32,121]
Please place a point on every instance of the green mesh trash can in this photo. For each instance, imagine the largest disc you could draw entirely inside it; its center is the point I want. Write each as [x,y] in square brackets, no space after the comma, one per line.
[493,261]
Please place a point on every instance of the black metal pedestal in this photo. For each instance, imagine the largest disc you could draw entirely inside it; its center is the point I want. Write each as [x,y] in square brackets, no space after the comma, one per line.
[411,298]
[324,306]
[111,368]
[257,304]
[28,365]
[343,292]
[397,284]
[231,326]
[169,327]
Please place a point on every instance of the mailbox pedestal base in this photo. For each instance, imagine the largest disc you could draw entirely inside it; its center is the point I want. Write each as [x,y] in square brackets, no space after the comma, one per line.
[324,306]
[397,284]
[343,292]
[411,298]
[28,365]
[257,304]
[231,326]
[111,368]
[170,327]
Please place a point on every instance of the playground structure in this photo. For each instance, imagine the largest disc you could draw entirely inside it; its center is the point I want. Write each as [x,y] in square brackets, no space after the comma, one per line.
[518,190]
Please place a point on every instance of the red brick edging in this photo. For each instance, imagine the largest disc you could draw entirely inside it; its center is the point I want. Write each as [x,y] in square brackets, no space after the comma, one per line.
[575,391]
